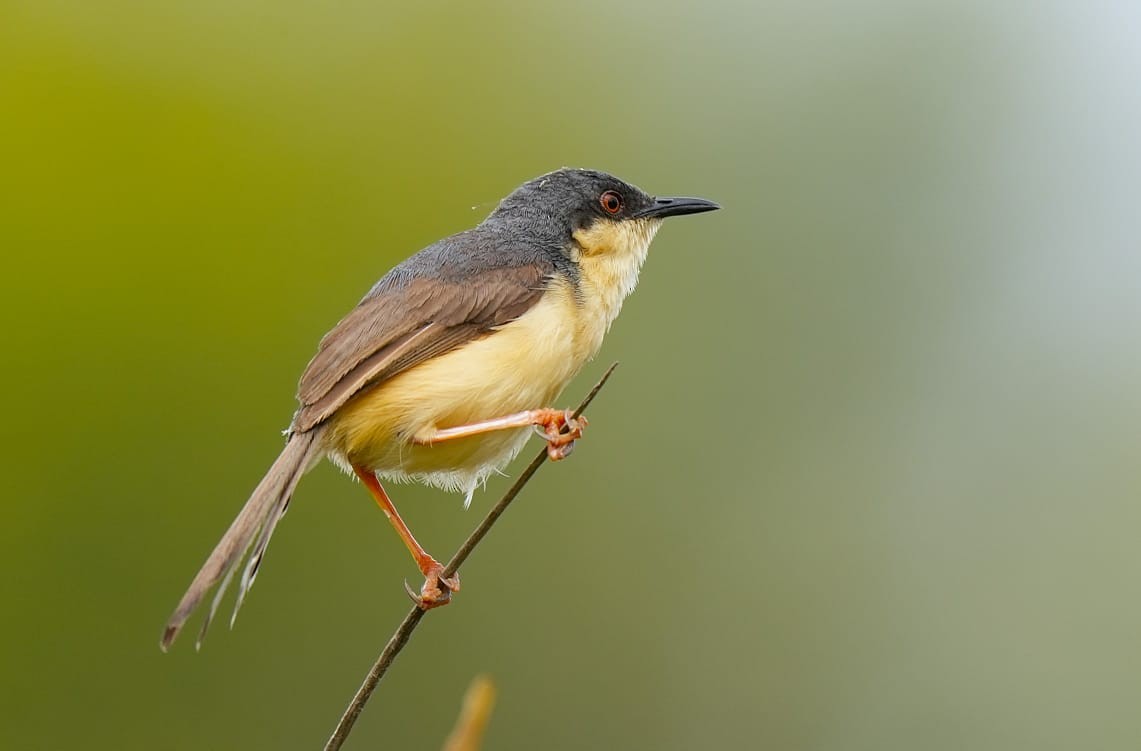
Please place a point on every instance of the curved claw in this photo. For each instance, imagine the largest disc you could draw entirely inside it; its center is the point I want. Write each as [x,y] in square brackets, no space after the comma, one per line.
[558,453]
[443,597]
[561,430]
[436,590]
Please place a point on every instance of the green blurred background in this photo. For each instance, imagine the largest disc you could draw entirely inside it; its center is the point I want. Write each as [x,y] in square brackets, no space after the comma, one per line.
[867,477]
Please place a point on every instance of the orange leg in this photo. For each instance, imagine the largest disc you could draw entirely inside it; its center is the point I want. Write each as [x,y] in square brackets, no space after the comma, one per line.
[436,590]
[559,427]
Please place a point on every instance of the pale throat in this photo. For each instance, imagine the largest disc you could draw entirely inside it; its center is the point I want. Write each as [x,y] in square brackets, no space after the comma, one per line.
[610,258]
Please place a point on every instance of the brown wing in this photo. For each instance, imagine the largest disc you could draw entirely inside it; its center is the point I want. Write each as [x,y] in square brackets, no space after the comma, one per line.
[402,326]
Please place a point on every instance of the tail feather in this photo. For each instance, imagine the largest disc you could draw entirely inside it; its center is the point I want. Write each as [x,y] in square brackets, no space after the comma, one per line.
[218,595]
[254,563]
[260,514]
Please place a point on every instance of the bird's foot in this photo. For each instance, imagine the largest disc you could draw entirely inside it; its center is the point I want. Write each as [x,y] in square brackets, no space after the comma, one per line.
[436,589]
[561,429]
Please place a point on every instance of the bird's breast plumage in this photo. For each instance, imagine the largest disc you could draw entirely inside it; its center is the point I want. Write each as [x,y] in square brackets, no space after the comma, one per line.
[521,365]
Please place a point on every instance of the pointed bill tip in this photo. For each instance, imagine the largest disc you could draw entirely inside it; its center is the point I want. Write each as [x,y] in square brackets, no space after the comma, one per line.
[663,207]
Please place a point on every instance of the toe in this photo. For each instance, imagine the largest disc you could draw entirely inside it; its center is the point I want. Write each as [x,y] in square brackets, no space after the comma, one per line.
[558,452]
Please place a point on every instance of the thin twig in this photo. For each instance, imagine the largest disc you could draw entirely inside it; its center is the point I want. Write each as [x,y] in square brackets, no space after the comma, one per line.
[412,620]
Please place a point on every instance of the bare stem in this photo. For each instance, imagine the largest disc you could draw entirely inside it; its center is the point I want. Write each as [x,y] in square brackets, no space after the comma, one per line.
[412,620]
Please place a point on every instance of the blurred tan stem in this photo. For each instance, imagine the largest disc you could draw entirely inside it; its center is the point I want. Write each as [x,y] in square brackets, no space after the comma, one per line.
[474,716]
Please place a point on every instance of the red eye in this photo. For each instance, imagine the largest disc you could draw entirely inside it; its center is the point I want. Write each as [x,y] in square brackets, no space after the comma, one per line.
[611,202]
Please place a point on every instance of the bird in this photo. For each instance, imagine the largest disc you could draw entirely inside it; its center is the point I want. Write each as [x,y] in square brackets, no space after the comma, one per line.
[449,363]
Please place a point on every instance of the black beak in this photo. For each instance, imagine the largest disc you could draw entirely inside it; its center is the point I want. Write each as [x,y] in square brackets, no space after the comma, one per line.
[663,207]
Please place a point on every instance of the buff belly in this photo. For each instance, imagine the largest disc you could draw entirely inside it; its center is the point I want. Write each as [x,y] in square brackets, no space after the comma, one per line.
[523,365]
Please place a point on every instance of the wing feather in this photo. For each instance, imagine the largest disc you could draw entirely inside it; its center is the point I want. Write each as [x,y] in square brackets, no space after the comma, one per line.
[405,321]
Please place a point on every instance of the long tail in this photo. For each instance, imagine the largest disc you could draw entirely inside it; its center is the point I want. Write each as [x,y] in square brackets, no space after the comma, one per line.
[260,514]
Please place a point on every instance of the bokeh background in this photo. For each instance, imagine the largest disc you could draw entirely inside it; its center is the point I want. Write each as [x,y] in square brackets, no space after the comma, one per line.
[867,478]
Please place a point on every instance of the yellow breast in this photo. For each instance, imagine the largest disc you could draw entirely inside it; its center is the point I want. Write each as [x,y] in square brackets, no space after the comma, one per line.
[522,365]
